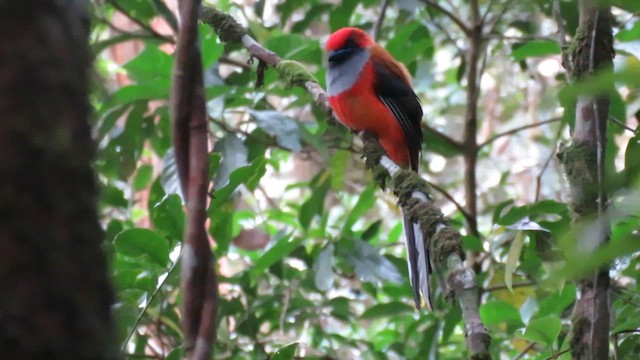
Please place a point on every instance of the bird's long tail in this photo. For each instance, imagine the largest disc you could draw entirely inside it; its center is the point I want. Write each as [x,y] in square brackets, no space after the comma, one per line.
[419,263]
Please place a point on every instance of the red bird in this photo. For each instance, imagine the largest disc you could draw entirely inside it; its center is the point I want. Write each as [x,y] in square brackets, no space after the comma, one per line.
[370,91]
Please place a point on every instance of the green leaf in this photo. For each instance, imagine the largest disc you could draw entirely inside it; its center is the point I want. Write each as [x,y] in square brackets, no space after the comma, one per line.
[211,48]
[284,245]
[168,216]
[143,177]
[250,175]
[234,156]
[139,9]
[498,312]
[169,177]
[366,200]
[323,275]
[557,302]
[389,309]
[535,48]
[286,353]
[512,259]
[152,63]
[471,243]
[340,16]
[283,128]
[339,162]
[143,242]
[543,330]
[367,261]
[632,160]
[315,204]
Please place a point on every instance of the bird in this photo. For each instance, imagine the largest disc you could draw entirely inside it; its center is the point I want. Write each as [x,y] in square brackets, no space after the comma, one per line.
[370,91]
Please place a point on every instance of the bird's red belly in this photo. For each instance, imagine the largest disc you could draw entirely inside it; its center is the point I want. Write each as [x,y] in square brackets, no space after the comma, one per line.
[362,111]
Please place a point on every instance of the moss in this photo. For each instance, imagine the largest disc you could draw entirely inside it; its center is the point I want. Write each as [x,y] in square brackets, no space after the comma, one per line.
[293,73]
[578,161]
[227,28]
[373,152]
[444,243]
[405,182]
[580,48]
[581,327]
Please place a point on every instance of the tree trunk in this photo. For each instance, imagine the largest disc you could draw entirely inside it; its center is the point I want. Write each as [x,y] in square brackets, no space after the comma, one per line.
[583,160]
[56,298]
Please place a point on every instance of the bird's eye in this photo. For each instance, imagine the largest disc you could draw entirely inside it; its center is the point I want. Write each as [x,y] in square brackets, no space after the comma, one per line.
[341,55]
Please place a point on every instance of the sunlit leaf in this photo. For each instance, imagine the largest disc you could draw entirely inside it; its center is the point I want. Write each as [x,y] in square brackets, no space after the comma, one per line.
[285,353]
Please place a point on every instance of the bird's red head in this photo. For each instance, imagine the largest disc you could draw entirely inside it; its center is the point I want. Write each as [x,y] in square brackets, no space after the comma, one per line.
[348,37]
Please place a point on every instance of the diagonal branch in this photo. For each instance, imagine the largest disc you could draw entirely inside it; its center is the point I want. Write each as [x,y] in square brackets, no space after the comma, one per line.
[140,23]
[461,24]
[199,280]
[378,26]
[516,130]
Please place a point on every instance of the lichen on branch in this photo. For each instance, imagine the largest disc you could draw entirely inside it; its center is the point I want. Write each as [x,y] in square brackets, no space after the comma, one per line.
[227,28]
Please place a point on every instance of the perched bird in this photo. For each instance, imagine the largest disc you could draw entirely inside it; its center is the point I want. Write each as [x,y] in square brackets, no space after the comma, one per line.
[370,91]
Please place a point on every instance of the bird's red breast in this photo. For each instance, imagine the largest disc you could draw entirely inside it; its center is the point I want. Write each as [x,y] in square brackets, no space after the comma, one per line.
[370,91]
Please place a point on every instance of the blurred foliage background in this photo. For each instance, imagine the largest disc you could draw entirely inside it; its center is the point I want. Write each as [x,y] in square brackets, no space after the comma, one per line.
[310,253]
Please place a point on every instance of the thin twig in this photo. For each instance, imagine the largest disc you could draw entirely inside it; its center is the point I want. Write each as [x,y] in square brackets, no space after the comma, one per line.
[504,286]
[461,24]
[149,302]
[516,130]
[141,23]
[620,123]
[557,355]
[525,351]
[449,197]
[378,26]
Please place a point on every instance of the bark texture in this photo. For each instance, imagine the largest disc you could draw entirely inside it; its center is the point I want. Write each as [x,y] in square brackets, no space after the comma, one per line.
[591,51]
[56,298]
[199,278]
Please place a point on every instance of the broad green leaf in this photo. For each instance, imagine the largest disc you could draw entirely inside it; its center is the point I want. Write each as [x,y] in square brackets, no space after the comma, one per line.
[169,177]
[143,242]
[632,159]
[249,175]
[512,258]
[498,312]
[234,156]
[368,263]
[139,9]
[143,177]
[285,129]
[339,162]
[322,269]
[283,246]
[286,353]
[415,34]
[152,63]
[535,48]
[543,330]
[168,216]
[556,302]
[211,48]
[389,309]
[340,16]
[366,200]
[315,204]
